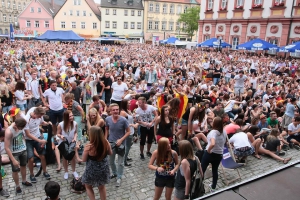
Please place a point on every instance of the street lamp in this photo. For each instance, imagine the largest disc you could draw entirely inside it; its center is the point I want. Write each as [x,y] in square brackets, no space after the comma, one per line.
[220,43]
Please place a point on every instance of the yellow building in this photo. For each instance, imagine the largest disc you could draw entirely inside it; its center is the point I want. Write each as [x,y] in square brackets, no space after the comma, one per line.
[81,16]
[161,18]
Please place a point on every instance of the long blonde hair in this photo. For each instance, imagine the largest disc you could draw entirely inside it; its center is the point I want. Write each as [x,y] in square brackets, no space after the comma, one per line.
[163,152]
[5,88]
[94,111]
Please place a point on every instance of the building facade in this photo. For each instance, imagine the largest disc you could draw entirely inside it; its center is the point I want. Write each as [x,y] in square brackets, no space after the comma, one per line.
[81,16]
[239,21]
[161,18]
[9,11]
[38,16]
[123,19]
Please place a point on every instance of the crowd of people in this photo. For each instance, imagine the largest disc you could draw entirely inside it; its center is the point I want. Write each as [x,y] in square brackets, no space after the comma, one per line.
[57,94]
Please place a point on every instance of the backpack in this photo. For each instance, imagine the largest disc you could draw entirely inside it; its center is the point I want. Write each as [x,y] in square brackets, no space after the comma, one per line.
[77,186]
[197,187]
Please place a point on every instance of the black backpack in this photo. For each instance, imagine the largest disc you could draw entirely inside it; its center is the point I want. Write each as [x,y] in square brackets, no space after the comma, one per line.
[197,187]
[77,186]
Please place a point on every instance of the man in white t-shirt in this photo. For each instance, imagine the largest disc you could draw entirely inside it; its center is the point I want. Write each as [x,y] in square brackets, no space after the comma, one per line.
[33,87]
[35,140]
[119,91]
[239,83]
[294,133]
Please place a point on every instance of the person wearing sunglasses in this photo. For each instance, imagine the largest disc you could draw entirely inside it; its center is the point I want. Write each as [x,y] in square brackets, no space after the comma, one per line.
[119,91]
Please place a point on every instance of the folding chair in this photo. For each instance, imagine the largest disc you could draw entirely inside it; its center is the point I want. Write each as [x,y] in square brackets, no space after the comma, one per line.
[228,162]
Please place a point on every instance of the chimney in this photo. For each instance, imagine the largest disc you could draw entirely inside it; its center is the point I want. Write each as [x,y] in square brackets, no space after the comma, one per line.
[52,4]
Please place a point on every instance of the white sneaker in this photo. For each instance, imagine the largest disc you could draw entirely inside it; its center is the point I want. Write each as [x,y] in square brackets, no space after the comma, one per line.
[118,182]
[75,175]
[66,176]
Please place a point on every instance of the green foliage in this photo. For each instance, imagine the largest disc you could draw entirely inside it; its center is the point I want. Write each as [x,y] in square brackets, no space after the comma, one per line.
[190,19]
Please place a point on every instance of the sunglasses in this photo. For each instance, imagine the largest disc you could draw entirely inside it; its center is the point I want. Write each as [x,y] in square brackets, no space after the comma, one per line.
[119,79]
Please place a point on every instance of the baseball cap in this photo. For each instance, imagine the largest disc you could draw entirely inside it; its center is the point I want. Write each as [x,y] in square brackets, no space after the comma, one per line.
[14,111]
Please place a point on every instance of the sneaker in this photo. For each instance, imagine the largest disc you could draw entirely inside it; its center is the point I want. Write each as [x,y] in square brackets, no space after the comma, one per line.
[129,159]
[211,189]
[66,175]
[127,164]
[113,176]
[32,179]
[4,193]
[142,156]
[297,147]
[18,190]
[280,153]
[46,175]
[291,145]
[149,154]
[75,175]
[26,183]
[285,147]
[118,182]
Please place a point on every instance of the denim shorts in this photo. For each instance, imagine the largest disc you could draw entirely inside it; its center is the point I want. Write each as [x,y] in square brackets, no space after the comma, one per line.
[30,144]
[22,106]
[21,157]
[184,122]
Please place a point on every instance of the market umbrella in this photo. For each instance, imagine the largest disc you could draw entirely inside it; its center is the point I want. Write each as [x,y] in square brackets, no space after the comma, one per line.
[291,48]
[257,44]
[214,42]
[171,40]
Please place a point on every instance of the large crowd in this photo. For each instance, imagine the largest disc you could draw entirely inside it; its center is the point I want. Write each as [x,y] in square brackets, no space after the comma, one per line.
[55,96]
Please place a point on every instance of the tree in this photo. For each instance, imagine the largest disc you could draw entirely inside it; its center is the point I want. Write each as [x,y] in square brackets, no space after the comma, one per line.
[190,18]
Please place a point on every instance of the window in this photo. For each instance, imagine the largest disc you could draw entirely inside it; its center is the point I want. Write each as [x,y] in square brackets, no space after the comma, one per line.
[184,25]
[90,14]
[75,2]
[79,2]
[257,2]
[235,42]
[164,8]
[139,13]
[239,3]
[77,13]
[19,6]
[156,25]
[107,23]
[206,37]
[71,12]
[15,18]
[9,18]
[8,4]
[125,12]
[178,9]
[1,32]
[171,9]
[150,23]
[185,9]
[163,25]
[84,13]
[114,24]
[157,7]
[210,4]
[132,25]
[28,23]
[139,25]
[62,24]
[132,13]
[94,25]
[31,9]
[65,13]
[125,25]
[73,24]
[171,24]
[114,12]
[46,24]
[177,26]
[4,17]
[224,4]
[107,11]
[6,31]
[151,7]
[39,10]
[82,25]
[275,42]
[279,1]
[24,5]
[14,4]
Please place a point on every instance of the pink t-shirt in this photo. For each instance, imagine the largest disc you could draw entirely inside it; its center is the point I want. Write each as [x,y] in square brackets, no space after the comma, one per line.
[231,128]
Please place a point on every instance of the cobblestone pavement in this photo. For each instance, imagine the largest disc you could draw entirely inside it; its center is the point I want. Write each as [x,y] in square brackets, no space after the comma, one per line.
[138,180]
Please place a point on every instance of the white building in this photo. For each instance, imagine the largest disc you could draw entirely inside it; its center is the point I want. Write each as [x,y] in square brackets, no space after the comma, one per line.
[123,19]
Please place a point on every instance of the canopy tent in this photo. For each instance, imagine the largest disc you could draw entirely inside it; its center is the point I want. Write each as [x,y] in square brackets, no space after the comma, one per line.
[257,44]
[171,40]
[60,36]
[291,48]
[215,43]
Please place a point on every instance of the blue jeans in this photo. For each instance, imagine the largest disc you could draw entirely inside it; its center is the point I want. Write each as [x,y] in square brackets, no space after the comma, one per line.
[5,109]
[79,130]
[103,96]
[227,79]
[113,166]
[230,114]
[128,143]
[22,106]
[216,80]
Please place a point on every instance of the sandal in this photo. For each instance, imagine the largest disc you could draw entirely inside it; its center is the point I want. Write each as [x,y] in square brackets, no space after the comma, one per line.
[257,156]
[58,169]
[286,160]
